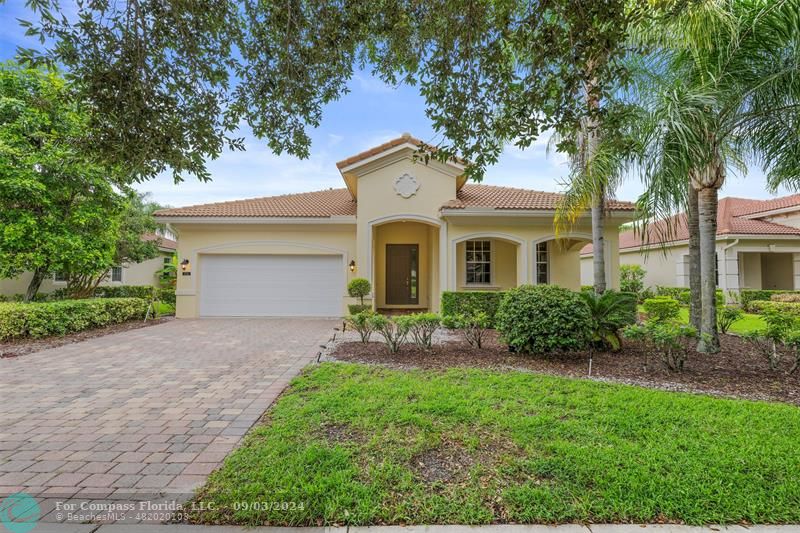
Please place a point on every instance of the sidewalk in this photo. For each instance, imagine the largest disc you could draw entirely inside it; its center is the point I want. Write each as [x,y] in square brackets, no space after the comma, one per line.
[568,528]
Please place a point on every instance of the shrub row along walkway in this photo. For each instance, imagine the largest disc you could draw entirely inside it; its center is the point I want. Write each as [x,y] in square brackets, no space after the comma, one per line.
[152,410]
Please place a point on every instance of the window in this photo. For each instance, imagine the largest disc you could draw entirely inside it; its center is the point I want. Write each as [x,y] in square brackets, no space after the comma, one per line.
[116,273]
[542,264]
[479,262]
[60,277]
[167,260]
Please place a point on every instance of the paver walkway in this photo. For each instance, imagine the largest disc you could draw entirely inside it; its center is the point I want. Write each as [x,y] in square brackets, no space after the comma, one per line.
[153,410]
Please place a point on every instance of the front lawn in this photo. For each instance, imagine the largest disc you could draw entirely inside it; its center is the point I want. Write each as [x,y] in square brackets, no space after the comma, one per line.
[363,444]
[747,324]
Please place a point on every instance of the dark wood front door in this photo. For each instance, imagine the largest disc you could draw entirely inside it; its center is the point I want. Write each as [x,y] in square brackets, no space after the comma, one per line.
[402,274]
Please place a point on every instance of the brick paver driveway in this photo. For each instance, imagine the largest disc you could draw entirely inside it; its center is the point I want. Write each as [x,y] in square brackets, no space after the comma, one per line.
[154,409]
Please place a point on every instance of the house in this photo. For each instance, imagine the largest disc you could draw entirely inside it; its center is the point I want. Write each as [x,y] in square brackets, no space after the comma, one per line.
[144,273]
[758,247]
[413,229]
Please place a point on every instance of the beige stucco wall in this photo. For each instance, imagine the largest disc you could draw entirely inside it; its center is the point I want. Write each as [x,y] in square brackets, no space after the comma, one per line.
[750,270]
[525,232]
[380,204]
[503,266]
[660,265]
[143,273]
[386,217]
[776,271]
[197,240]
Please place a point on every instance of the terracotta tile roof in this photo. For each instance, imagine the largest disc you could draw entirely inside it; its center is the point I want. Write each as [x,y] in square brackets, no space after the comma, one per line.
[388,145]
[729,222]
[163,241]
[321,204]
[493,197]
[745,207]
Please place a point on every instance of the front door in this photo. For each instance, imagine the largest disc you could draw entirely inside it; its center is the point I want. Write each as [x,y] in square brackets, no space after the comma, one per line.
[402,274]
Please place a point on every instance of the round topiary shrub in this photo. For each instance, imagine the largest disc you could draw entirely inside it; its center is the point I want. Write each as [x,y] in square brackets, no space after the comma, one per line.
[544,318]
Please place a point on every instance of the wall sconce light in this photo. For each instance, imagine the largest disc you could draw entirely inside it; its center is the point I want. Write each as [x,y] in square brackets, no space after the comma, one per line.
[185,265]
[353,265]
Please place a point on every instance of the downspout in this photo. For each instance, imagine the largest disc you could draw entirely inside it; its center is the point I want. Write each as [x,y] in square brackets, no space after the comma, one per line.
[725,269]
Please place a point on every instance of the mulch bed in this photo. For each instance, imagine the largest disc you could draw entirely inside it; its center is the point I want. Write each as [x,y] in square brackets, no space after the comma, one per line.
[734,372]
[25,346]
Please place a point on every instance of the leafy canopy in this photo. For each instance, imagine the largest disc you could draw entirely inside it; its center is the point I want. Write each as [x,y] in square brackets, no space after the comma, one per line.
[58,210]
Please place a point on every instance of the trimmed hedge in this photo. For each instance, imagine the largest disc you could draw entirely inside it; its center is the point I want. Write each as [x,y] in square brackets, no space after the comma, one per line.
[541,319]
[748,296]
[759,306]
[121,291]
[470,303]
[20,320]
[684,295]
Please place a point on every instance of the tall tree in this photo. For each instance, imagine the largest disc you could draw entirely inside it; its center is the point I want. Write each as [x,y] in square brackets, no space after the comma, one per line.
[58,210]
[727,90]
[499,72]
[134,221]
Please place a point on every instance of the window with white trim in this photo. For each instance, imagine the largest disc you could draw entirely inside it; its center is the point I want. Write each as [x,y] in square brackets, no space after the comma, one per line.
[479,262]
[542,264]
[116,273]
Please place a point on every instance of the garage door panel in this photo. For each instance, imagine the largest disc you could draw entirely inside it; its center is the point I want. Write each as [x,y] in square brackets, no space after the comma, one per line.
[271,285]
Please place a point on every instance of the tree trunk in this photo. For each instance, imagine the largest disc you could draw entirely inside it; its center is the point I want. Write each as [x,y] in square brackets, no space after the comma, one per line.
[707,209]
[591,133]
[598,242]
[693,223]
[36,282]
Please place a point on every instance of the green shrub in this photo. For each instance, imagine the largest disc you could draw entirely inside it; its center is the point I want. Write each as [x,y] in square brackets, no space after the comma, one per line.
[610,312]
[469,303]
[780,331]
[544,318]
[113,291]
[393,332]
[473,327]
[672,292]
[354,309]
[358,288]
[20,320]
[763,306]
[662,309]
[361,322]
[786,297]
[167,295]
[421,327]
[669,340]
[631,278]
[728,315]
[748,296]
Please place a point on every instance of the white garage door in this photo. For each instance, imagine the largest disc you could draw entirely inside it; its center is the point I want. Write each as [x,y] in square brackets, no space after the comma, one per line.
[271,285]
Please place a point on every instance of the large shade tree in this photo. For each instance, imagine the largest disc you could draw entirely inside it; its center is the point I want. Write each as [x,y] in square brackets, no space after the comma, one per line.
[168,83]
[724,91]
[58,208]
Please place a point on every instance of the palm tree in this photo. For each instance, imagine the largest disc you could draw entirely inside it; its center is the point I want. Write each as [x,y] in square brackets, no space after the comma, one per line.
[724,90]
[604,151]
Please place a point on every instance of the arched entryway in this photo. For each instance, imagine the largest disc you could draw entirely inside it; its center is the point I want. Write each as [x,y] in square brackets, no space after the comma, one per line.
[406,263]
[556,260]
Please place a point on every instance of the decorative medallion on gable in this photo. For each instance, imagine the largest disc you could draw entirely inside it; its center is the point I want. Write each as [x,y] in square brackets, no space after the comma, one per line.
[406,185]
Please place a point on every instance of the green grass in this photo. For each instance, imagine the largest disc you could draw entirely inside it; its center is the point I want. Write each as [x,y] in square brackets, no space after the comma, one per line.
[531,449]
[748,323]
[163,309]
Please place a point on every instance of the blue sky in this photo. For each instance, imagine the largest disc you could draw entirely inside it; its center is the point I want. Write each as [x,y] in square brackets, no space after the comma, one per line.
[369,115]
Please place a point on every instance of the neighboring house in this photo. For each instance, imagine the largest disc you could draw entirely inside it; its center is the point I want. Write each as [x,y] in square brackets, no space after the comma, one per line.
[143,273]
[412,229]
[758,247]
